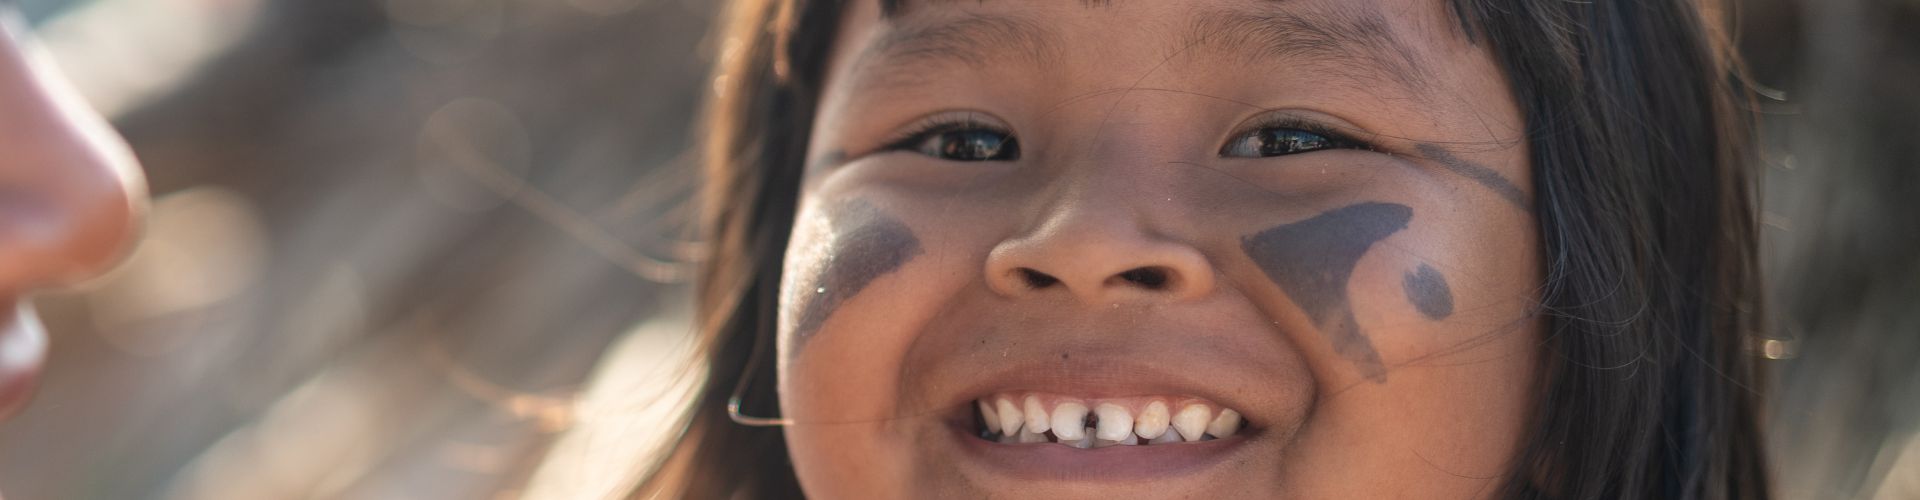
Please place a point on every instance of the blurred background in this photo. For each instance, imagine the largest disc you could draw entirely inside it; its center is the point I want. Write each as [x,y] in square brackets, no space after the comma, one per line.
[430,248]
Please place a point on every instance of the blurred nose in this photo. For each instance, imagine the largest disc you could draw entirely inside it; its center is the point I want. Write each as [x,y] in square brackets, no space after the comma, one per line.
[1096,243]
[70,192]
[71,196]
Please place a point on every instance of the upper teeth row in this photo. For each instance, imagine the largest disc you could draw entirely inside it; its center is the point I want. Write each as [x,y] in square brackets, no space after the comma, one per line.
[1027,419]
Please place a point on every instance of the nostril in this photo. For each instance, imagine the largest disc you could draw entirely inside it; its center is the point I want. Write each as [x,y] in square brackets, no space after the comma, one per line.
[1152,278]
[1037,279]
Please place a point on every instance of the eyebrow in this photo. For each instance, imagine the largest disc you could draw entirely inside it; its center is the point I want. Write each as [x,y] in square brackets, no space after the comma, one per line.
[969,40]
[1333,39]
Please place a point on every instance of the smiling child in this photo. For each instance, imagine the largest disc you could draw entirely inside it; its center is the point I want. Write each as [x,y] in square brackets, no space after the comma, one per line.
[1225,249]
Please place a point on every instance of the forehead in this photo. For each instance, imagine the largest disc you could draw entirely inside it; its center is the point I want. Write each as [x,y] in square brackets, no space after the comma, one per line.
[1364,43]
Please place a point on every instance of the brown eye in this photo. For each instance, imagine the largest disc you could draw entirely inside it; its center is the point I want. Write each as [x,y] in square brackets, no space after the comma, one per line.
[1279,141]
[964,142]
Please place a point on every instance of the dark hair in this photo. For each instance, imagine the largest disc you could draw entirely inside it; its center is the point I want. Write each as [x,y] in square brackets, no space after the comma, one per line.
[1640,152]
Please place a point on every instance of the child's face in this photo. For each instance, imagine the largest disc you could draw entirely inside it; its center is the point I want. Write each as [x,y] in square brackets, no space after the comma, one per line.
[1131,217]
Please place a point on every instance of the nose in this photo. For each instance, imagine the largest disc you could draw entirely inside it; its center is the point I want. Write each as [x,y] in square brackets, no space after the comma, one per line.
[71,197]
[70,192]
[1098,251]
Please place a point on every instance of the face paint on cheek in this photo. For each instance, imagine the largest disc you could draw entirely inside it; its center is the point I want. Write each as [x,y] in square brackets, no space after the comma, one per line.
[865,245]
[1428,292]
[1312,261]
[1479,174]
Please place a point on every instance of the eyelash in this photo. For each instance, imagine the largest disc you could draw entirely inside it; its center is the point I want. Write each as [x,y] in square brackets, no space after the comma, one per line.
[1334,138]
[915,140]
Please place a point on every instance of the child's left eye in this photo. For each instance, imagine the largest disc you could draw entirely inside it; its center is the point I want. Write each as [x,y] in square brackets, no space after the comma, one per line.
[963,142]
[1279,141]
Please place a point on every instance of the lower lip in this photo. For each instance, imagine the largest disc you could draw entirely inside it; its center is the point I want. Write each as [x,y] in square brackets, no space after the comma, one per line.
[1058,462]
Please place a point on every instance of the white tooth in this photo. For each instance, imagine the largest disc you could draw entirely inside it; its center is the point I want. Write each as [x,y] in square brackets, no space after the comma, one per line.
[1166,437]
[1224,425]
[1115,422]
[1191,421]
[1032,437]
[992,417]
[1085,441]
[1152,422]
[1068,420]
[1036,416]
[1009,416]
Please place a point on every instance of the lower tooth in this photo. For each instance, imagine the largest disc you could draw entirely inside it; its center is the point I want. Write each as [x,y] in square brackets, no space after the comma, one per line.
[1169,437]
[1032,437]
[1085,441]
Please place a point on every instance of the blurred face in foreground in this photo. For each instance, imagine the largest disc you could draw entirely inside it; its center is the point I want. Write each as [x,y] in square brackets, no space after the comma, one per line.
[70,201]
[1120,249]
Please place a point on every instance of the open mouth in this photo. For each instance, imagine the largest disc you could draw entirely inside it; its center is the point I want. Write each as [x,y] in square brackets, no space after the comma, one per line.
[1086,423]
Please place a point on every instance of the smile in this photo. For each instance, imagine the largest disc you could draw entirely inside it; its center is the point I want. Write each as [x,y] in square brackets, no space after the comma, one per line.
[1084,423]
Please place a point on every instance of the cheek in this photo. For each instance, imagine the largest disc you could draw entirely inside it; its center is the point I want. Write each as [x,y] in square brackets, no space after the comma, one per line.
[1453,312]
[855,287]
[1449,292]
[1313,262]
[1423,331]
[836,332]
[836,255]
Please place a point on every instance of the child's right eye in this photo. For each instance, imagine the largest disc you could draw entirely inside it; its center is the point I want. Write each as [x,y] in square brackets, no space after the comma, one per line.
[962,142]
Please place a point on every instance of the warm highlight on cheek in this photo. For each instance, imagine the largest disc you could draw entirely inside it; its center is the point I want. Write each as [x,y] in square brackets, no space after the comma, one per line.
[862,245]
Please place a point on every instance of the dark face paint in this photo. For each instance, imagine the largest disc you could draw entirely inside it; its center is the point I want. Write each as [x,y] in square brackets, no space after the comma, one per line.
[1428,292]
[1312,260]
[1480,174]
[865,245]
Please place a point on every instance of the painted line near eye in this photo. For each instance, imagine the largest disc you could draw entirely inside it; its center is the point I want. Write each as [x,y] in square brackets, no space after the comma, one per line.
[865,244]
[1312,261]
[1480,174]
[1428,291]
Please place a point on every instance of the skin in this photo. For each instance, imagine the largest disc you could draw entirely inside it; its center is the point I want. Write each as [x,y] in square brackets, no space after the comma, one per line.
[71,200]
[1371,312]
